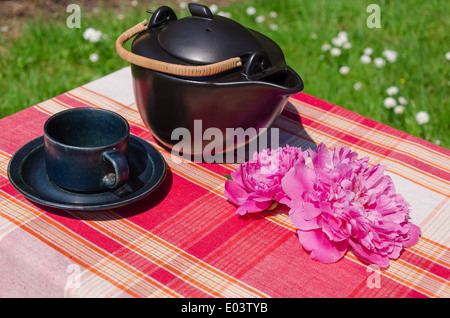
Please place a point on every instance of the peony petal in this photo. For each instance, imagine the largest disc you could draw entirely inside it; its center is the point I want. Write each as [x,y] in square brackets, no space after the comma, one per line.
[297,180]
[253,206]
[235,193]
[414,233]
[369,256]
[375,176]
[236,175]
[310,211]
[297,218]
[322,249]
[285,200]
[322,158]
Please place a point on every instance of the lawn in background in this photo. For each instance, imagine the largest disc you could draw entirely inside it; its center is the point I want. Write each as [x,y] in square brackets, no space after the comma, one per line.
[46,58]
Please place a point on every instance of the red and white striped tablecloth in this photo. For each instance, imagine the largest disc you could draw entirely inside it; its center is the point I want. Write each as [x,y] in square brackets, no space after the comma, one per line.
[185,240]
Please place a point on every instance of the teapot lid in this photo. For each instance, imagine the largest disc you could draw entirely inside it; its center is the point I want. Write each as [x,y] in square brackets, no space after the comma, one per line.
[202,38]
[205,38]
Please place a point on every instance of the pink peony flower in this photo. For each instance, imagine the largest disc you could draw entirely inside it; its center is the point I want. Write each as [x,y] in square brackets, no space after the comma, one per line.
[344,203]
[256,184]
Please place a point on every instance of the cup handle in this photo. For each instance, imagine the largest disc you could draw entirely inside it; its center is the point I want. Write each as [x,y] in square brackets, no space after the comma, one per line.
[121,170]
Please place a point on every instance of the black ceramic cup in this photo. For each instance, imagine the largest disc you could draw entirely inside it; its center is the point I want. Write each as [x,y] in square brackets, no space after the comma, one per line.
[86,149]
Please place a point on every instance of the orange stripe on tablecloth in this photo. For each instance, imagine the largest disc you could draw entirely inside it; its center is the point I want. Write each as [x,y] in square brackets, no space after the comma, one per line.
[374,154]
[88,98]
[434,284]
[41,107]
[364,138]
[4,161]
[119,105]
[74,246]
[108,98]
[352,122]
[435,255]
[413,277]
[433,219]
[173,259]
[435,243]
[245,247]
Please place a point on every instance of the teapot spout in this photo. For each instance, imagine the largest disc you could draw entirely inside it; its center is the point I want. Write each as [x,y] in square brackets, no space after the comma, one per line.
[285,79]
[259,69]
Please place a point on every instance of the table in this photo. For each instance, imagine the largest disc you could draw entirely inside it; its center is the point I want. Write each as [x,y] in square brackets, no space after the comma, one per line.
[185,240]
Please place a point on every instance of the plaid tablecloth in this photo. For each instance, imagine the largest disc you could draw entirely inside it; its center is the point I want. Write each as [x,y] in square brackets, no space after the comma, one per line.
[185,240]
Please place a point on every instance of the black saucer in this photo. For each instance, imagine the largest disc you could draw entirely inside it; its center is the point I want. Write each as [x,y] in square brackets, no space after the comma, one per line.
[27,173]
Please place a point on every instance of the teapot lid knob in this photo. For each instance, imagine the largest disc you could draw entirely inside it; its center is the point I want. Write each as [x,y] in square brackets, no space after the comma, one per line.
[201,11]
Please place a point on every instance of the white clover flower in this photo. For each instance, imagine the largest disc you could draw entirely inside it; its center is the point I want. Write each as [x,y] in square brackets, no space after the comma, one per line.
[400,109]
[120,16]
[357,86]
[344,70]
[251,10]
[447,56]
[343,36]
[182,5]
[314,36]
[134,3]
[390,55]
[96,36]
[337,41]
[393,90]
[92,35]
[214,8]
[379,62]
[273,14]
[260,19]
[390,102]
[368,51]
[326,46]
[335,51]
[88,33]
[437,142]
[402,100]
[5,29]
[422,117]
[93,57]
[273,27]
[365,59]
[347,45]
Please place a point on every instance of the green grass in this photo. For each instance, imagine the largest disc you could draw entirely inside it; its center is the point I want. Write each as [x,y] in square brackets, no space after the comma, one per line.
[49,58]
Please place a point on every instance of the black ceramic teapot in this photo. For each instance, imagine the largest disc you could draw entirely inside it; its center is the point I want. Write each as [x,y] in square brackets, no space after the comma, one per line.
[205,70]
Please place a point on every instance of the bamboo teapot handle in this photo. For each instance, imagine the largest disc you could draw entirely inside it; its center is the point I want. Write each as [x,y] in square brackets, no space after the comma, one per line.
[169,68]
